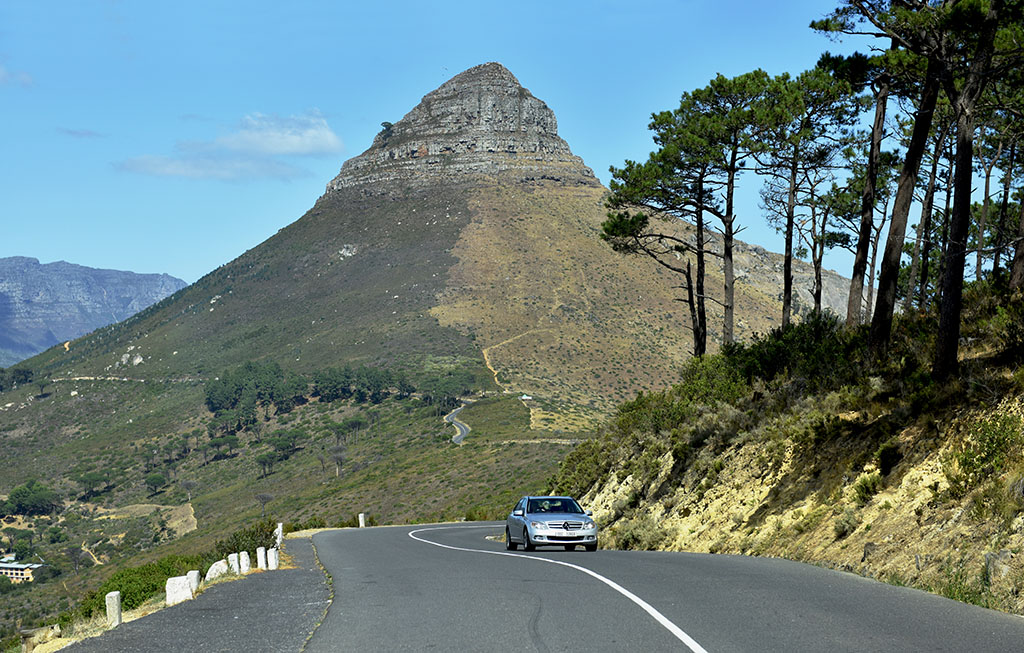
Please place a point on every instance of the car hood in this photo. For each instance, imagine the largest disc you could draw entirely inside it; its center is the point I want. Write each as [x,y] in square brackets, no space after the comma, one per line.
[558,516]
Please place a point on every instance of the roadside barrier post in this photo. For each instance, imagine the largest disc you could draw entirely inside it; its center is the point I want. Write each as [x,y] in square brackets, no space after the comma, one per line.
[261,557]
[362,520]
[244,563]
[113,609]
[193,580]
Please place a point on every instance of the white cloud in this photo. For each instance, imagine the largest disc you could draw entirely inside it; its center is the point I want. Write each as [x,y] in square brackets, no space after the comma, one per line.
[307,135]
[198,166]
[14,77]
[255,150]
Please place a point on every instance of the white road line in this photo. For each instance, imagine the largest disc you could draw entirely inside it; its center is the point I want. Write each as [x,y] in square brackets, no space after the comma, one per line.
[644,605]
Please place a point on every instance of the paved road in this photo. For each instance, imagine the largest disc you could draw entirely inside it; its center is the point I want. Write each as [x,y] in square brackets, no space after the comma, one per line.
[461,428]
[452,589]
[271,611]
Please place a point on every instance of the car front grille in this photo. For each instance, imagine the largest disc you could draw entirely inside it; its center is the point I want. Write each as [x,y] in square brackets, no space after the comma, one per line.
[572,525]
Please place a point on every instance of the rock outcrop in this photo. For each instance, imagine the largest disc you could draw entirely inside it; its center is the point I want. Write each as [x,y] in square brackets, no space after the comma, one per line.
[480,122]
[42,305]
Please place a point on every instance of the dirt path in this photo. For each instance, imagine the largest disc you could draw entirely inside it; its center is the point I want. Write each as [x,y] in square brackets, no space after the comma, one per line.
[486,351]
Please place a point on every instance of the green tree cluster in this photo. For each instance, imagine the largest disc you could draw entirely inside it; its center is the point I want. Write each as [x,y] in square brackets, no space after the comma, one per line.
[15,376]
[32,498]
[361,383]
[955,68]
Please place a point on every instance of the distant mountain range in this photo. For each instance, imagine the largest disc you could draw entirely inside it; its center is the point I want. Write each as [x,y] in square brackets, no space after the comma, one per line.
[42,305]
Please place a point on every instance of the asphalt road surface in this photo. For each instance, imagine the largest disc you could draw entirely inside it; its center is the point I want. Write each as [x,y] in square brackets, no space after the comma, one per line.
[269,611]
[447,587]
[461,428]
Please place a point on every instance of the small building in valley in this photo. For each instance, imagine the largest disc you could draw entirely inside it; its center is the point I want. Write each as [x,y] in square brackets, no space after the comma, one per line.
[18,572]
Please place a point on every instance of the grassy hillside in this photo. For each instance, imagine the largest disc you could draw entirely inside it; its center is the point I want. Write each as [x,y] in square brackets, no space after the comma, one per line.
[799,445]
[352,281]
[399,466]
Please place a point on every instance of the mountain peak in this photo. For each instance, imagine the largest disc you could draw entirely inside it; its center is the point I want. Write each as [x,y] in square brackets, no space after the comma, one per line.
[480,122]
[491,72]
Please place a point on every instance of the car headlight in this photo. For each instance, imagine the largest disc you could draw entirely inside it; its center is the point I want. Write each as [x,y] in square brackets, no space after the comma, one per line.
[589,525]
[537,524]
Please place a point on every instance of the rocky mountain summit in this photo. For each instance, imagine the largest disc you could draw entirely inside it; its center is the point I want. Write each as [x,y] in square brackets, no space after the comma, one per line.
[42,305]
[480,122]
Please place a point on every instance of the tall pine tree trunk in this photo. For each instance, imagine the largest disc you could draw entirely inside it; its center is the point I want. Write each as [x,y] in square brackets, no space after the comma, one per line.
[818,253]
[986,203]
[691,300]
[728,236]
[1004,207]
[855,301]
[964,100]
[881,323]
[915,267]
[1017,269]
[948,340]
[870,302]
[947,213]
[926,223]
[787,263]
[701,333]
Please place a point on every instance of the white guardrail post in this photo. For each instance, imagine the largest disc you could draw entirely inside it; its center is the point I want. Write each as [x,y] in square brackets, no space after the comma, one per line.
[113,609]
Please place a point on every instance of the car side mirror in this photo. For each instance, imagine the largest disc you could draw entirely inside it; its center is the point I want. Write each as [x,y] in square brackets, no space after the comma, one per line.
[517,513]
[590,513]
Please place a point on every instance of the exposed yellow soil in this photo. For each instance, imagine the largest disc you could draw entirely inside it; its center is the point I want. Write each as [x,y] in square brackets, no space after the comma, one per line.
[180,519]
[910,532]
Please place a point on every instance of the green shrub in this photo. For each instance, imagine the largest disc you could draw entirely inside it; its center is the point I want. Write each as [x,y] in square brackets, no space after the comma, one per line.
[846,523]
[249,539]
[137,584]
[639,534]
[819,350]
[312,522]
[989,446]
[958,585]
[1000,319]
[709,380]
[585,465]
[867,486]
[888,456]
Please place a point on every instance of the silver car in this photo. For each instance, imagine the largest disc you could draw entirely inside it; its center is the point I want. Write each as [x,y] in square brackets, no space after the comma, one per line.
[550,521]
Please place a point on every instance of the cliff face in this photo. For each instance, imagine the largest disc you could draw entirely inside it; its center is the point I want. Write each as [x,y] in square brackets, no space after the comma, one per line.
[42,305]
[480,122]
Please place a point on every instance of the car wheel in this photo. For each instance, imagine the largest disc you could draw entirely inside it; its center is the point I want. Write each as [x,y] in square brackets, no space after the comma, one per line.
[570,547]
[509,544]
[527,544]
[590,547]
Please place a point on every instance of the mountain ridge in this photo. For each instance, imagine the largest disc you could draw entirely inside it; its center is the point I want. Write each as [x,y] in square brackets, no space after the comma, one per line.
[43,304]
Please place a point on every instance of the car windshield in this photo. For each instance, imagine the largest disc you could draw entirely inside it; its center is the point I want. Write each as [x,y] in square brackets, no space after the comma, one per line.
[554,504]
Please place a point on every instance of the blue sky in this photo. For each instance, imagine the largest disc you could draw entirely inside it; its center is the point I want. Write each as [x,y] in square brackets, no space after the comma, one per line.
[173,136]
